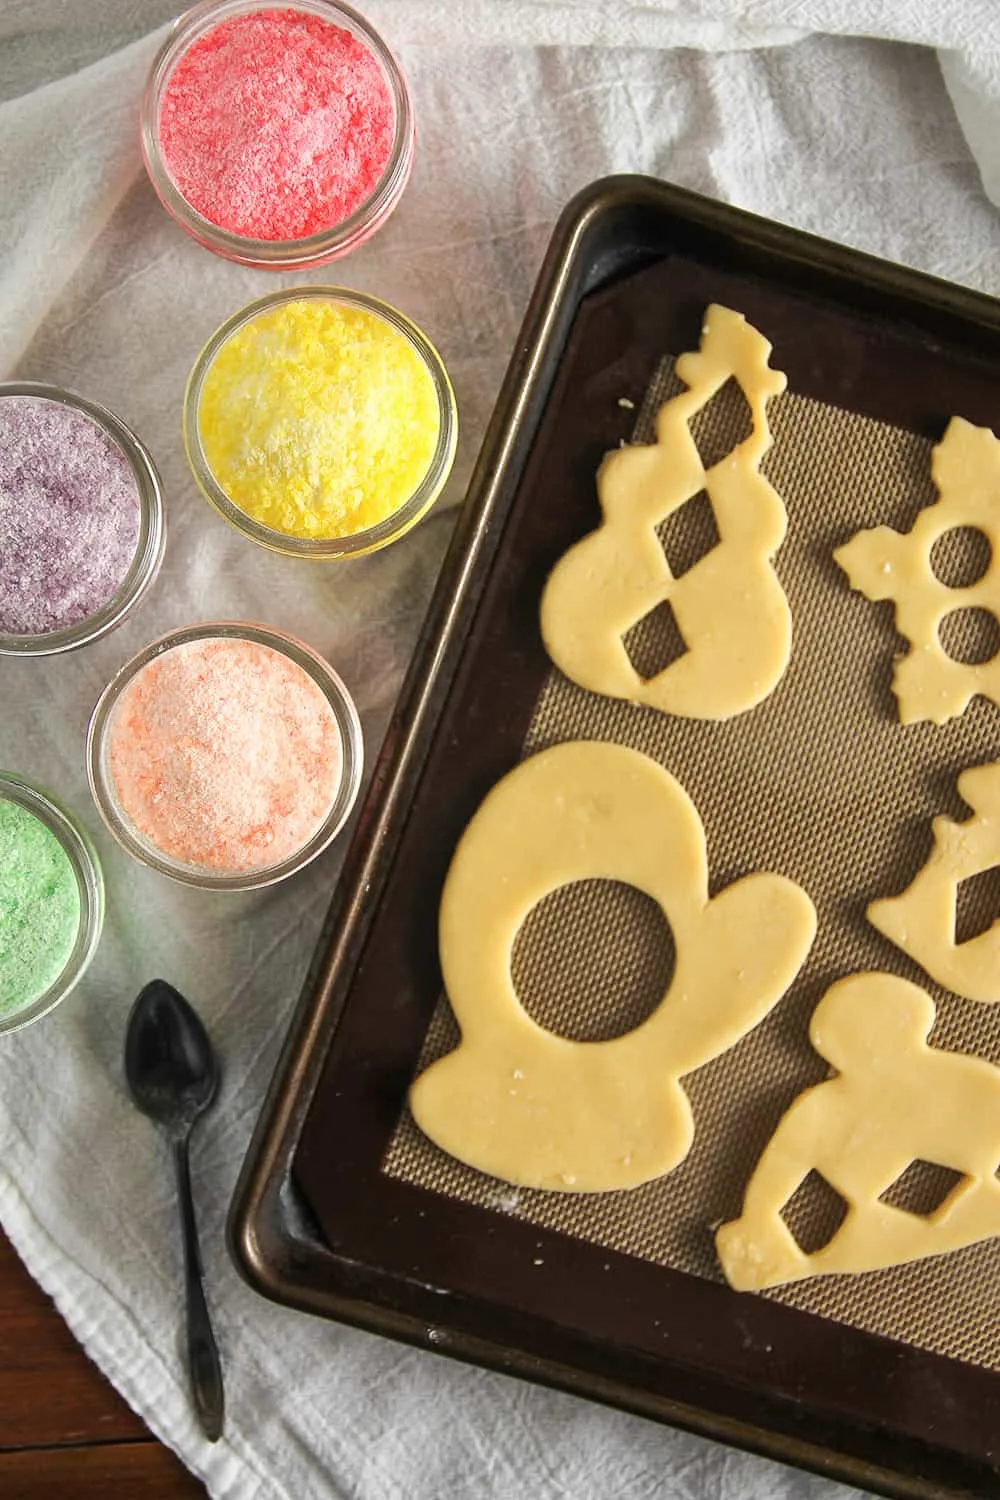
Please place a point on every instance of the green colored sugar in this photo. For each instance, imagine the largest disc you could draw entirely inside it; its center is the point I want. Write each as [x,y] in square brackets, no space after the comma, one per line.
[39,907]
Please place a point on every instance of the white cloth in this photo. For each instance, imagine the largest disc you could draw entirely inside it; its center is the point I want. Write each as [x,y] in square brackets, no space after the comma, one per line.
[518,105]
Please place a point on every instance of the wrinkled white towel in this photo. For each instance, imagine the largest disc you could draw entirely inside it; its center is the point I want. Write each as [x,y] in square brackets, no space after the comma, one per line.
[518,105]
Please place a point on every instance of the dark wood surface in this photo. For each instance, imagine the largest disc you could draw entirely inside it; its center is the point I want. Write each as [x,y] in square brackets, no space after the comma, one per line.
[64,1431]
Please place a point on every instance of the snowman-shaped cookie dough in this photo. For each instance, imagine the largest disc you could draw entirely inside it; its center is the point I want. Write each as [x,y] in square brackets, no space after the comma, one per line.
[729,608]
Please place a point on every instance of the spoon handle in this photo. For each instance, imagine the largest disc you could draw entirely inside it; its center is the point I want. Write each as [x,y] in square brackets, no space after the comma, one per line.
[204,1366]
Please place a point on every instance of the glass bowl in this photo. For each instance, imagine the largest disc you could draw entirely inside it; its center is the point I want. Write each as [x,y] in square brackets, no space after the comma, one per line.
[149,547]
[136,843]
[86,868]
[314,249]
[354,544]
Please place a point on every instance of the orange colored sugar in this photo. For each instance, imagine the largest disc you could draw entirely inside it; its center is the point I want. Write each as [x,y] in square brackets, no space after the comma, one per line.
[225,755]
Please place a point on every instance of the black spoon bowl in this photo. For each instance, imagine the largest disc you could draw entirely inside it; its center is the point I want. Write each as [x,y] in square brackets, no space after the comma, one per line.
[173,1076]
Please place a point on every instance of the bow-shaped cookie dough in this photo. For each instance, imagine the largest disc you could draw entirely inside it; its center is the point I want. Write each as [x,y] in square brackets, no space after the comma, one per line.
[540,1110]
[730,608]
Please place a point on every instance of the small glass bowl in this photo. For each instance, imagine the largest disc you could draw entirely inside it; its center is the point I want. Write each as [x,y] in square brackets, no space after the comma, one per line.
[358,543]
[149,548]
[141,848]
[311,250]
[83,858]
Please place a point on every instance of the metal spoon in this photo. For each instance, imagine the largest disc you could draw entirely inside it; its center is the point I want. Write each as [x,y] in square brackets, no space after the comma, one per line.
[173,1075]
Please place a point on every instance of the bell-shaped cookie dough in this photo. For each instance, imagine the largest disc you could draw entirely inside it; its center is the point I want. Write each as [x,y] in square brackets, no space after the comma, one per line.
[729,608]
[922,920]
[537,1109]
[883,564]
[894,1100]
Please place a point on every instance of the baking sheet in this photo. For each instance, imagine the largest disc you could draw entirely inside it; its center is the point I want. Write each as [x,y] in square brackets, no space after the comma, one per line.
[820,783]
[318,1220]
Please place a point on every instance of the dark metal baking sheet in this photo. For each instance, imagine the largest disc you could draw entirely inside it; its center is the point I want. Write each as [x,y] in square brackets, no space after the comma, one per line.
[316,1222]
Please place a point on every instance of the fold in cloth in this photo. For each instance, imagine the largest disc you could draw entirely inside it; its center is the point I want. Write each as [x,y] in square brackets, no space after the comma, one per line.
[518,106]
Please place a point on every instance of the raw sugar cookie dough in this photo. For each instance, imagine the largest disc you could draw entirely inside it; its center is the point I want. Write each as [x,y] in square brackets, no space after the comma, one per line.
[894,1100]
[921,921]
[537,1109]
[730,607]
[883,564]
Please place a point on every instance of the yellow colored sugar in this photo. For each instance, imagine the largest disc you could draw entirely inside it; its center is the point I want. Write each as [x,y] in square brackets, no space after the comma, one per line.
[318,419]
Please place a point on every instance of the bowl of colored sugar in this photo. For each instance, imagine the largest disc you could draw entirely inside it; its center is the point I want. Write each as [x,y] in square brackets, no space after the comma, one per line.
[226,755]
[277,135]
[81,520]
[51,903]
[320,422]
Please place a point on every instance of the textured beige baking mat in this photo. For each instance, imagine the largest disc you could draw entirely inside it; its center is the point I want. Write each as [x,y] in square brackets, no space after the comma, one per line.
[820,783]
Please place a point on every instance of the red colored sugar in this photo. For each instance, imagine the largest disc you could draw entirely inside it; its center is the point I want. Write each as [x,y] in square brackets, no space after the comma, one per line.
[276,125]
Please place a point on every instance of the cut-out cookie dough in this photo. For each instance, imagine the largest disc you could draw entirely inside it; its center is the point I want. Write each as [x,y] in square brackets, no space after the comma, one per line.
[885,564]
[894,1101]
[730,608]
[921,921]
[539,1110]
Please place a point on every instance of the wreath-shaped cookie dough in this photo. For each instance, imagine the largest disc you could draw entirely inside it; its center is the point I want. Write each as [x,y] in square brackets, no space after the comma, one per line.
[883,564]
[895,1100]
[729,608]
[541,1111]
[921,921]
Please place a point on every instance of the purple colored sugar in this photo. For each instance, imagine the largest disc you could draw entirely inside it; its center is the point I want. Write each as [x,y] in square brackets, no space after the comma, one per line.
[70,515]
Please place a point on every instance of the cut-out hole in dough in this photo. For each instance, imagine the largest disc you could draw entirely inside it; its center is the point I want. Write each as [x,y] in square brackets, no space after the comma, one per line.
[970,636]
[688,534]
[814,1213]
[977,904]
[723,422]
[961,557]
[922,1188]
[654,642]
[566,964]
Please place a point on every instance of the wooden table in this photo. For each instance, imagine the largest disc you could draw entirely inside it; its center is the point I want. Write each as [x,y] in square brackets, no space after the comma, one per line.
[65,1433]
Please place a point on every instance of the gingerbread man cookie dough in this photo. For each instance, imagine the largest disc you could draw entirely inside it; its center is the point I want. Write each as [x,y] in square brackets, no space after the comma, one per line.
[893,1101]
[537,1109]
[730,608]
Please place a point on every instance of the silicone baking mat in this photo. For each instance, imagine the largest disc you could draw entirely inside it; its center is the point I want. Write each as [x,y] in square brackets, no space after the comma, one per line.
[821,783]
[889,1380]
